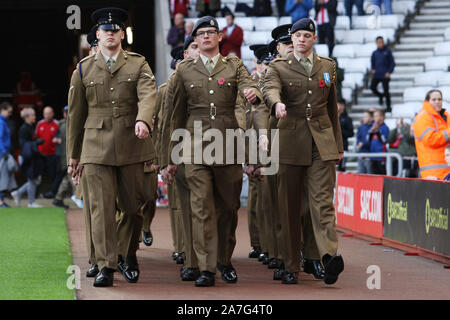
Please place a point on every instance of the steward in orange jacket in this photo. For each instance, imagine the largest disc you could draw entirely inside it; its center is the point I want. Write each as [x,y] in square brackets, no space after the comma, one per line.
[432,134]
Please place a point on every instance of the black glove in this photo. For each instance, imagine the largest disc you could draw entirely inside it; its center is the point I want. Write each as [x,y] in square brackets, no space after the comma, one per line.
[39,141]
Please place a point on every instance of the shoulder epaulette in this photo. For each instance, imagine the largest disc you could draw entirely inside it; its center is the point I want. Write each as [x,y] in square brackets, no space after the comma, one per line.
[87,58]
[134,54]
[163,85]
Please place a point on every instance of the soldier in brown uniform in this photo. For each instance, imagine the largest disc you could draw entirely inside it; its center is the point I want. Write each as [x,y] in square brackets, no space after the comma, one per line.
[205,91]
[301,89]
[111,105]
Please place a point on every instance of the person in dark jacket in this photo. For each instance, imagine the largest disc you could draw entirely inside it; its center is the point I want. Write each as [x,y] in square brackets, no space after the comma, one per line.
[326,12]
[383,65]
[298,9]
[346,128]
[32,165]
[175,37]
[401,140]
[378,136]
[362,142]
[5,142]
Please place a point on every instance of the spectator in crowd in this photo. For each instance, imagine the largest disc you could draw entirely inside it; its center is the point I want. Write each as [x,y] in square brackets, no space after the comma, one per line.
[387,5]
[326,12]
[232,37]
[362,141]
[32,165]
[298,9]
[7,181]
[12,125]
[176,34]
[383,65]
[179,6]
[346,128]
[378,137]
[401,140]
[432,134]
[66,188]
[348,4]
[262,8]
[46,130]
[447,159]
[339,80]
[281,4]
[26,93]
[188,27]
[207,7]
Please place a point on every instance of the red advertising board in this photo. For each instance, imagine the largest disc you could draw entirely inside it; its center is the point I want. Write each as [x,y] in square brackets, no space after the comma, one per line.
[359,203]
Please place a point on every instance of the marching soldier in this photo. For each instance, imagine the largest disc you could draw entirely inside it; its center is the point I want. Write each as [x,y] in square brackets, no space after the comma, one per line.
[301,89]
[111,105]
[205,91]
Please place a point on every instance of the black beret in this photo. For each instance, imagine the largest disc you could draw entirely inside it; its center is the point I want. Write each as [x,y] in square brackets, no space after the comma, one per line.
[281,33]
[110,18]
[303,24]
[177,53]
[263,55]
[205,22]
[187,42]
[255,47]
[273,48]
[173,64]
[92,36]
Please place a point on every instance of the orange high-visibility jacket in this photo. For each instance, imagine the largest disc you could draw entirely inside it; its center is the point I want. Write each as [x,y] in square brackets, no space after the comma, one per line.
[432,134]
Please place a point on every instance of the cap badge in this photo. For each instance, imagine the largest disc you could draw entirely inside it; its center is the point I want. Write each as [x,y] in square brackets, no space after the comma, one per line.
[212,22]
[311,26]
[110,18]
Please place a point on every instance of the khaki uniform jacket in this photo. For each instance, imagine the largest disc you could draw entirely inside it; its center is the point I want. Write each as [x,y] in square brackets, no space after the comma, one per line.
[104,106]
[156,134]
[166,113]
[288,82]
[209,99]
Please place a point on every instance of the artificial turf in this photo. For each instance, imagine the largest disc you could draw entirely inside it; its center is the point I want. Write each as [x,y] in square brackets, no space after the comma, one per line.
[34,254]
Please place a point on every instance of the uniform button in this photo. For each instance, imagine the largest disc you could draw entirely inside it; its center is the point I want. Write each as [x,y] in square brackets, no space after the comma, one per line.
[92,82]
[113,102]
[310,92]
[309,105]
[209,79]
[211,92]
[310,79]
[129,79]
[211,104]
[290,83]
[192,85]
[112,89]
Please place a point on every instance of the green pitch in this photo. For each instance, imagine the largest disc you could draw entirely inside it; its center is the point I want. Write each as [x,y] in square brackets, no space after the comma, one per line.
[34,254]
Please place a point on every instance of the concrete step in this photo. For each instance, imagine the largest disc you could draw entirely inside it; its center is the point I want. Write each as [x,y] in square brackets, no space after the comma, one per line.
[420,40]
[413,54]
[393,92]
[436,4]
[409,62]
[423,33]
[432,11]
[373,101]
[430,25]
[432,18]
[414,46]
[396,84]
[402,76]
[408,69]
[355,115]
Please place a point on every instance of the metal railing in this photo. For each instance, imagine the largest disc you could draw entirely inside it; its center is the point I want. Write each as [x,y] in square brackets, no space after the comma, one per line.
[387,155]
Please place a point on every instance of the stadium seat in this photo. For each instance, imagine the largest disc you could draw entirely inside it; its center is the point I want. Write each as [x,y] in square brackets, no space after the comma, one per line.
[285,20]
[447,34]
[342,23]
[357,65]
[406,110]
[344,62]
[246,23]
[353,80]
[445,93]
[344,51]
[403,7]
[392,21]
[362,22]
[365,50]
[246,53]
[428,78]
[354,36]
[436,63]
[265,23]
[321,50]
[444,80]
[412,94]
[339,36]
[442,49]
[256,37]
[347,94]
[222,23]
[387,34]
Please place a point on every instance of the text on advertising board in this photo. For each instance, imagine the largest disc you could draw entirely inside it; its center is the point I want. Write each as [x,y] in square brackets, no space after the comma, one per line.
[397,210]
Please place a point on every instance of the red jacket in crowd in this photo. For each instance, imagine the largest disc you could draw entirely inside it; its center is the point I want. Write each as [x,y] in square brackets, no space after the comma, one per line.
[233,42]
[179,6]
[46,131]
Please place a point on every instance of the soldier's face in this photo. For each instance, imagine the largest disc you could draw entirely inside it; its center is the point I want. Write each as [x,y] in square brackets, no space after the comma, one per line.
[192,51]
[303,41]
[208,39]
[285,48]
[110,39]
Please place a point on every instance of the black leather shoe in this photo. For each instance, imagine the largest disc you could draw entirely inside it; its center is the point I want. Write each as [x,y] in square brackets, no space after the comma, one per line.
[254,253]
[289,278]
[105,278]
[262,256]
[315,268]
[120,264]
[175,255]
[278,273]
[130,269]
[206,279]
[189,274]
[93,271]
[147,238]
[229,275]
[180,259]
[334,265]
[273,263]
[266,260]
[60,203]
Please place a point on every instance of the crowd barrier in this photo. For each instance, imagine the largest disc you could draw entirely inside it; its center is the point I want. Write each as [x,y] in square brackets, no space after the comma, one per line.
[414,212]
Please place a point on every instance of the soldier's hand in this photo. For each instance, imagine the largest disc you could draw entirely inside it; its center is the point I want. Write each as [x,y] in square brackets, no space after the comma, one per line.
[341,156]
[280,110]
[141,130]
[264,143]
[155,167]
[77,179]
[172,169]
[72,169]
[250,95]
[248,169]
[258,174]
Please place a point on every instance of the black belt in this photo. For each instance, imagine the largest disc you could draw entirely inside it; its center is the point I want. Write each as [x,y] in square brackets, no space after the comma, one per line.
[115,112]
[211,112]
[308,113]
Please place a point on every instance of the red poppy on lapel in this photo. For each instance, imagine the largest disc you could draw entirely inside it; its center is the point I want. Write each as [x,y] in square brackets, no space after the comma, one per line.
[321,83]
[221,81]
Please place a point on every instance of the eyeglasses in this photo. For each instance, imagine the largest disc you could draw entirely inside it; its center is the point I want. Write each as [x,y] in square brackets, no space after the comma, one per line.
[202,34]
